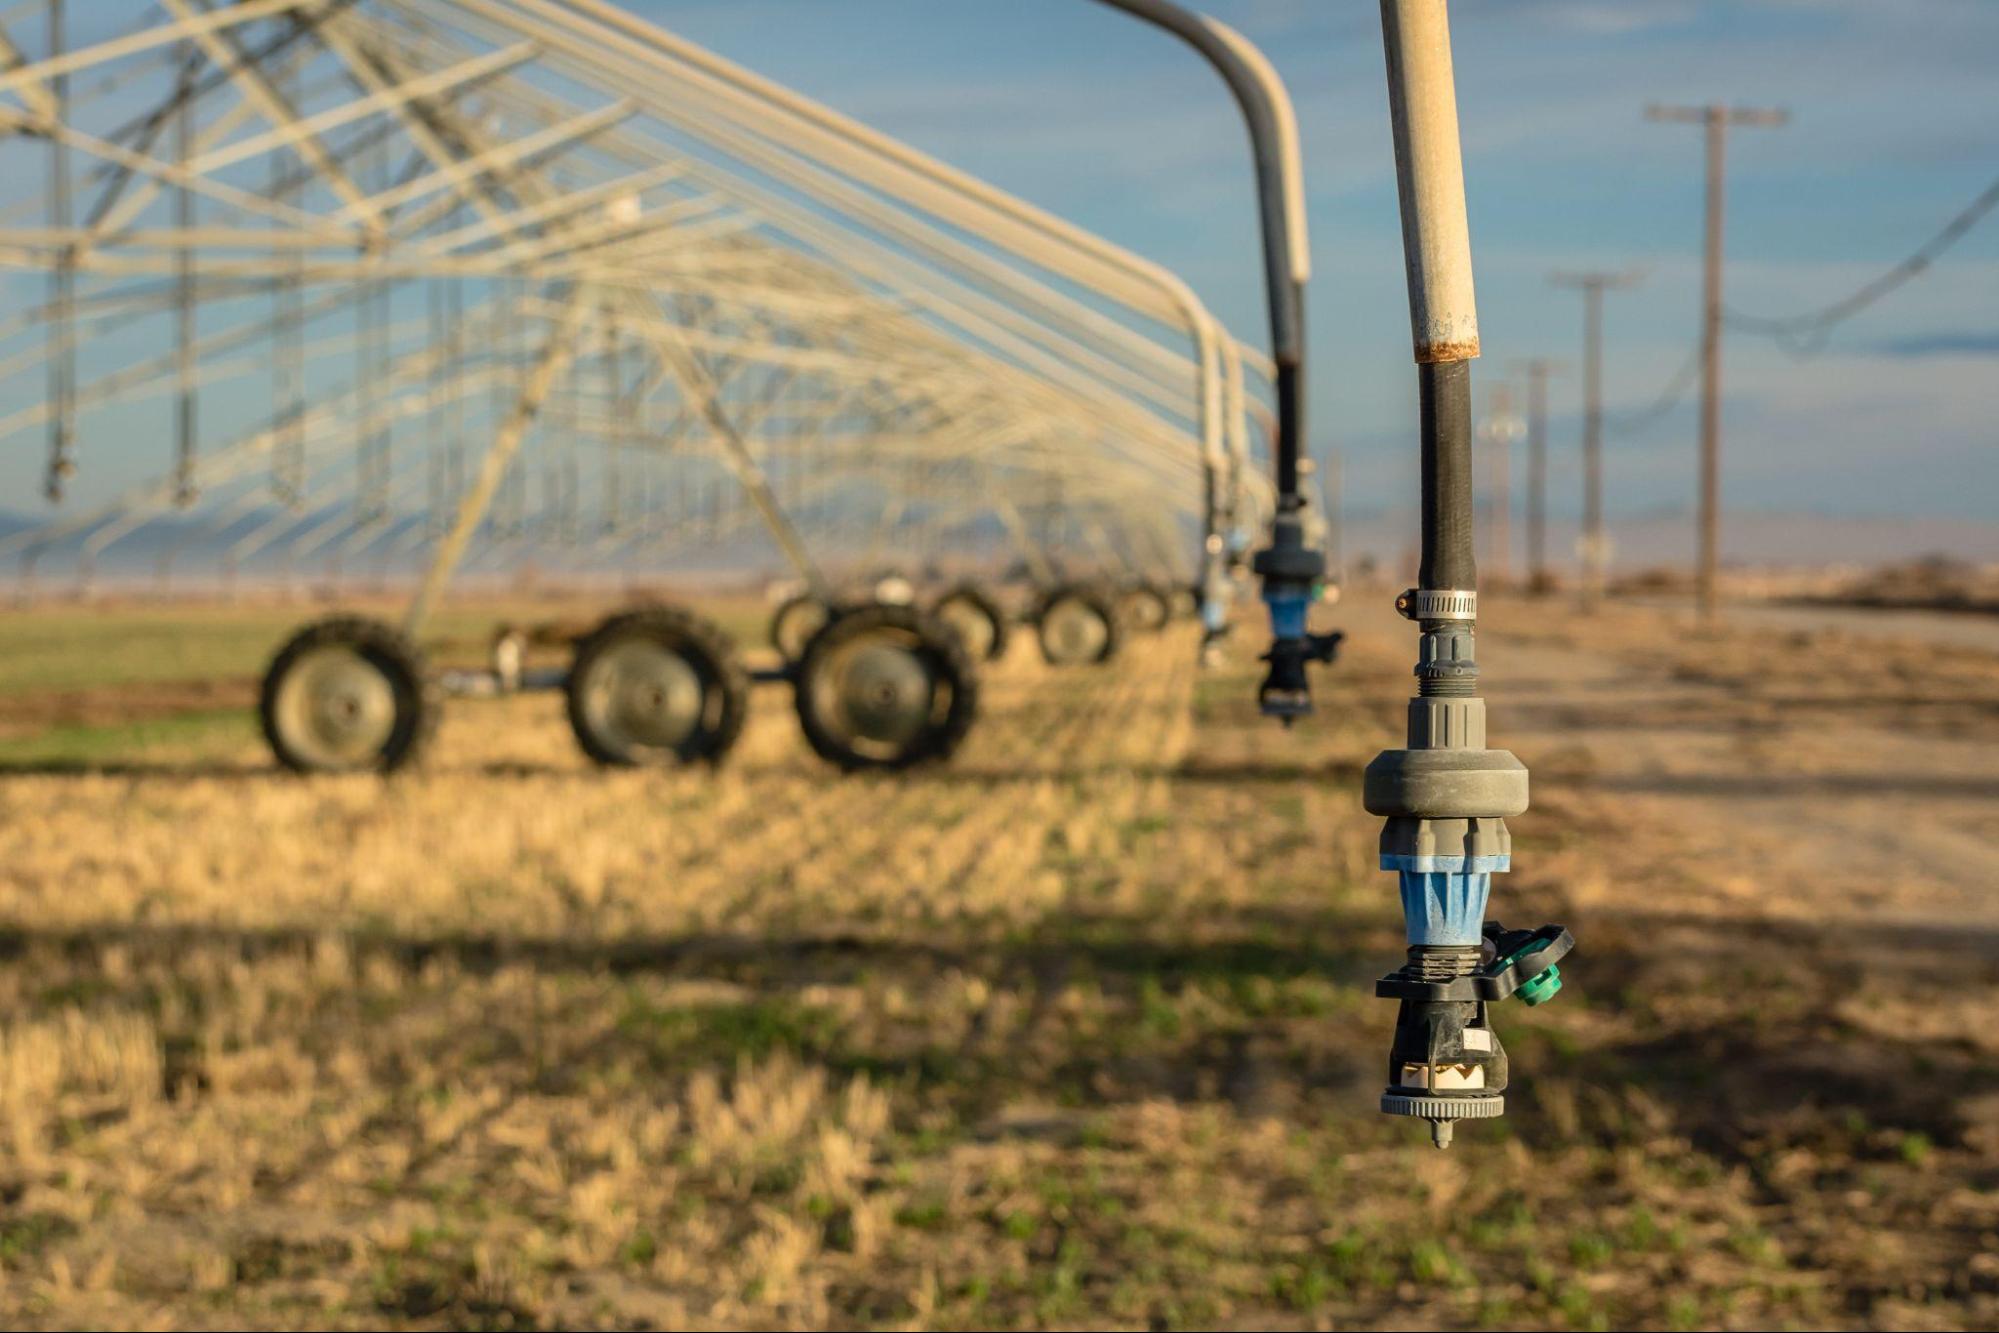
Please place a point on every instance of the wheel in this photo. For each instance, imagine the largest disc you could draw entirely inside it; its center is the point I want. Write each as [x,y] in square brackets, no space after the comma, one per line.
[346,695]
[1077,626]
[977,618]
[885,687]
[794,623]
[1146,608]
[657,686]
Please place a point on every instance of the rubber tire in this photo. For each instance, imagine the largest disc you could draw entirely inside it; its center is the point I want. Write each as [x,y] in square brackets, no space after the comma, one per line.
[418,706]
[703,643]
[987,607]
[947,658]
[784,610]
[1162,615]
[1093,597]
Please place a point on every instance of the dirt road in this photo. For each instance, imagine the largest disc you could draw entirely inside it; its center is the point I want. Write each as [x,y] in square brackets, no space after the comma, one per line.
[1794,767]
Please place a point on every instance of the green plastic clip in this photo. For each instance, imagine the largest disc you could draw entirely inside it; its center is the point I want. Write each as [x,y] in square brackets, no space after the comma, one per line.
[1542,986]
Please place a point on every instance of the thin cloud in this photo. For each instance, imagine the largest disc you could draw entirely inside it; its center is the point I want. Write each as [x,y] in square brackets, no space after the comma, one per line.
[1940,344]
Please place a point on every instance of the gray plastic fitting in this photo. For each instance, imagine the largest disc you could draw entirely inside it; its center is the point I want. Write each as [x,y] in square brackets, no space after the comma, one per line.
[1445,784]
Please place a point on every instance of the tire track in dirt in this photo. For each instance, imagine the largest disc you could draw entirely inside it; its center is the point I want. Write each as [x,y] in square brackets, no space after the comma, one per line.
[970,814]
[894,847]
[999,853]
[732,871]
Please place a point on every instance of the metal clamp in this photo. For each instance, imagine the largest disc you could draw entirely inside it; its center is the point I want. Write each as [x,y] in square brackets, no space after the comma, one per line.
[1438,604]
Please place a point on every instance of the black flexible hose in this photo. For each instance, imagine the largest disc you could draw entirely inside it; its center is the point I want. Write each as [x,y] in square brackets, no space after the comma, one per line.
[1291,415]
[1448,563]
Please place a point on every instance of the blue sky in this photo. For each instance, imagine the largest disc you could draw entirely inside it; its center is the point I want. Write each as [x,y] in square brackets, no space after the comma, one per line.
[1895,126]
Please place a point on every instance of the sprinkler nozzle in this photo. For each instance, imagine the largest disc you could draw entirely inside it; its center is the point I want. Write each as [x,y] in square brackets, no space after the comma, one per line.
[1291,570]
[1446,1062]
[1286,692]
[1238,557]
[1216,592]
[1446,797]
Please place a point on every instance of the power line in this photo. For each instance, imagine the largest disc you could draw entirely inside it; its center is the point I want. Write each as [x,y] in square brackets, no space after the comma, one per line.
[1789,330]
[1668,398]
[1806,334]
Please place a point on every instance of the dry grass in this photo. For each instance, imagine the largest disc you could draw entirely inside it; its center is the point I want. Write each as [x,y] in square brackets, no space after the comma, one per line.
[1076,1032]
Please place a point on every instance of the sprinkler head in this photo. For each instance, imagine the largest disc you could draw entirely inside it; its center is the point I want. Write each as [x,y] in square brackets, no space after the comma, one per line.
[1286,692]
[1290,570]
[1446,1063]
[1239,561]
[1446,798]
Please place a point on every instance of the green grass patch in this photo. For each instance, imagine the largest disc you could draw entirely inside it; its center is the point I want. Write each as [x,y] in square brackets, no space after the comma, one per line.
[205,734]
[723,1033]
[86,647]
[29,1234]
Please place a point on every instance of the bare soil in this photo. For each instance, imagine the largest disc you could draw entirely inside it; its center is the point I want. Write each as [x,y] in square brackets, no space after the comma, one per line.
[31,713]
[1077,1032]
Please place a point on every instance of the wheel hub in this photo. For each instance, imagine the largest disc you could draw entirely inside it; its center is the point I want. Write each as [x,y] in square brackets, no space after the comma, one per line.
[646,695]
[337,707]
[885,692]
[1074,631]
[1148,611]
[974,630]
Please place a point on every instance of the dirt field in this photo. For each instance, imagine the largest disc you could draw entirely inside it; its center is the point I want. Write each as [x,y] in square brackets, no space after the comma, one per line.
[1077,1032]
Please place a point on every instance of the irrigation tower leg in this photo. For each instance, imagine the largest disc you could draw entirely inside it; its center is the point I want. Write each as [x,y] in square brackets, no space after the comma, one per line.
[555,357]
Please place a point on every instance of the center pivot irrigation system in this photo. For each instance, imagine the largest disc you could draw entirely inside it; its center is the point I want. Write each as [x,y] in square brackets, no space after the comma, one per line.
[1446,796]
[451,286]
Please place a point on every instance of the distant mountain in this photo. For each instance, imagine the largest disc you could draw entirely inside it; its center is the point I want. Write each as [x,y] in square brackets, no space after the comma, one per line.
[1662,539]
[1666,539]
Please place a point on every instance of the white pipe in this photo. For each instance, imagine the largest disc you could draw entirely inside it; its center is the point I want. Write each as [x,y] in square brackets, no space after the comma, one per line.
[1436,238]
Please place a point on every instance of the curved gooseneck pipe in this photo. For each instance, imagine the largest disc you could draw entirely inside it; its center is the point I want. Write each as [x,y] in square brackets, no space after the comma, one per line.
[1287,266]
[1290,567]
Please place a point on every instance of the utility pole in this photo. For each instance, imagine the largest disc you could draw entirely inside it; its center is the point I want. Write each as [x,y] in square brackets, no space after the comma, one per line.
[1595,548]
[1335,495]
[1715,119]
[1537,371]
[1498,431]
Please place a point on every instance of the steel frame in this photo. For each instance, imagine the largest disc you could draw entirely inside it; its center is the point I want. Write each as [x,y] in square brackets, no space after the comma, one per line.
[751,280]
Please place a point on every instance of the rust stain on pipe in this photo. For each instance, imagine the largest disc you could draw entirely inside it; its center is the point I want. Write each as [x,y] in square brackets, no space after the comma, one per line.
[1457,349]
